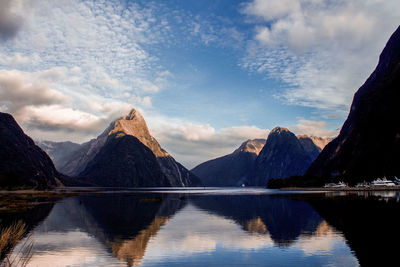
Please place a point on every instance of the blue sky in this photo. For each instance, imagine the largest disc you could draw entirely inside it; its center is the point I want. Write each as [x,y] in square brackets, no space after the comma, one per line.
[206,75]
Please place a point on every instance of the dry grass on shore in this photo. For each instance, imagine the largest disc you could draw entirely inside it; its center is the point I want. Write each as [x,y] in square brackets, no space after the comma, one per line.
[9,238]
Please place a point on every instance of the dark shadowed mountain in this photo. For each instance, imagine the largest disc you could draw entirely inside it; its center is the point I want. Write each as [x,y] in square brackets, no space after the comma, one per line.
[59,152]
[124,161]
[282,156]
[368,145]
[131,125]
[232,169]
[22,163]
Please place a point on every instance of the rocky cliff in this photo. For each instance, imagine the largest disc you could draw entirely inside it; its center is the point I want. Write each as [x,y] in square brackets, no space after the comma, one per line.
[232,169]
[124,161]
[22,163]
[282,156]
[131,125]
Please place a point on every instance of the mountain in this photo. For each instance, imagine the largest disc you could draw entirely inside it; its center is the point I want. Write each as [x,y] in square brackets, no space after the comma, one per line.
[131,125]
[368,145]
[124,161]
[22,163]
[313,145]
[232,169]
[282,156]
[59,152]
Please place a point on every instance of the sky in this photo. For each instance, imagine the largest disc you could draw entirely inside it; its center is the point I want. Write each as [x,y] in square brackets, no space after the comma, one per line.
[206,75]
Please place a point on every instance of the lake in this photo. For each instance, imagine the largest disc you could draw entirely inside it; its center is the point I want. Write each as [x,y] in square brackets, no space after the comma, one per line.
[212,227]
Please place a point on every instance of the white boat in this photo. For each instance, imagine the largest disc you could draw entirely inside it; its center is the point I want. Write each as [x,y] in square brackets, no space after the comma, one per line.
[382,182]
[364,184]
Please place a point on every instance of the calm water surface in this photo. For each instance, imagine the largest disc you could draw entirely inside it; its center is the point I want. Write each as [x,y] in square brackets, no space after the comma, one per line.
[227,227]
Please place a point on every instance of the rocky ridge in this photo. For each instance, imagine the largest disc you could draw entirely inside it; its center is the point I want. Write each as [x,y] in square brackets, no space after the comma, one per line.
[22,163]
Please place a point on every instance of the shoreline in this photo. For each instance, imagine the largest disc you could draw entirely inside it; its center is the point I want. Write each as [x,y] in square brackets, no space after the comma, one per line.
[65,191]
[343,189]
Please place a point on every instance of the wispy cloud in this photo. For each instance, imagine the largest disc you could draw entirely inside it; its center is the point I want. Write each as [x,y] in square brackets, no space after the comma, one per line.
[322,50]
[76,60]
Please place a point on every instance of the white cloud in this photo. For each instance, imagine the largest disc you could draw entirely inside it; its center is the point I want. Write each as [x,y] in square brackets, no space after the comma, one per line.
[194,231]
[313,128]
[192,144]
[18,90]
[272,9]
[322,50]
[13,60]
[263,35]
[40,103]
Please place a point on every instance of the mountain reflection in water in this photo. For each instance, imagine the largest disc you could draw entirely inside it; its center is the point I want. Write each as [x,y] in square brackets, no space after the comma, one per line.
[148,229]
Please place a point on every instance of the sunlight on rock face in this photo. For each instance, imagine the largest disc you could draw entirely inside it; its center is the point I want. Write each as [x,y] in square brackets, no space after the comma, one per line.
[132,251]
[256,226]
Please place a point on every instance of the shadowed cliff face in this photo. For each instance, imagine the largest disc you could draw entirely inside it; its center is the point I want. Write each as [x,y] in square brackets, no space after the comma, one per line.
[368,145]
[125,162]
[282,156]
[135,126]
[232,169]
[22,163]
[59,152]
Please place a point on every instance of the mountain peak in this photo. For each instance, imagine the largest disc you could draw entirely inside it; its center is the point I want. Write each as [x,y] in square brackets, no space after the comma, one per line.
[251,146]
[280,130]
[134,115]
[320,142]
[134,124]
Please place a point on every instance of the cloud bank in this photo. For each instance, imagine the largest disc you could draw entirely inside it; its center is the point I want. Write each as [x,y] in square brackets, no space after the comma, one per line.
[192,144]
